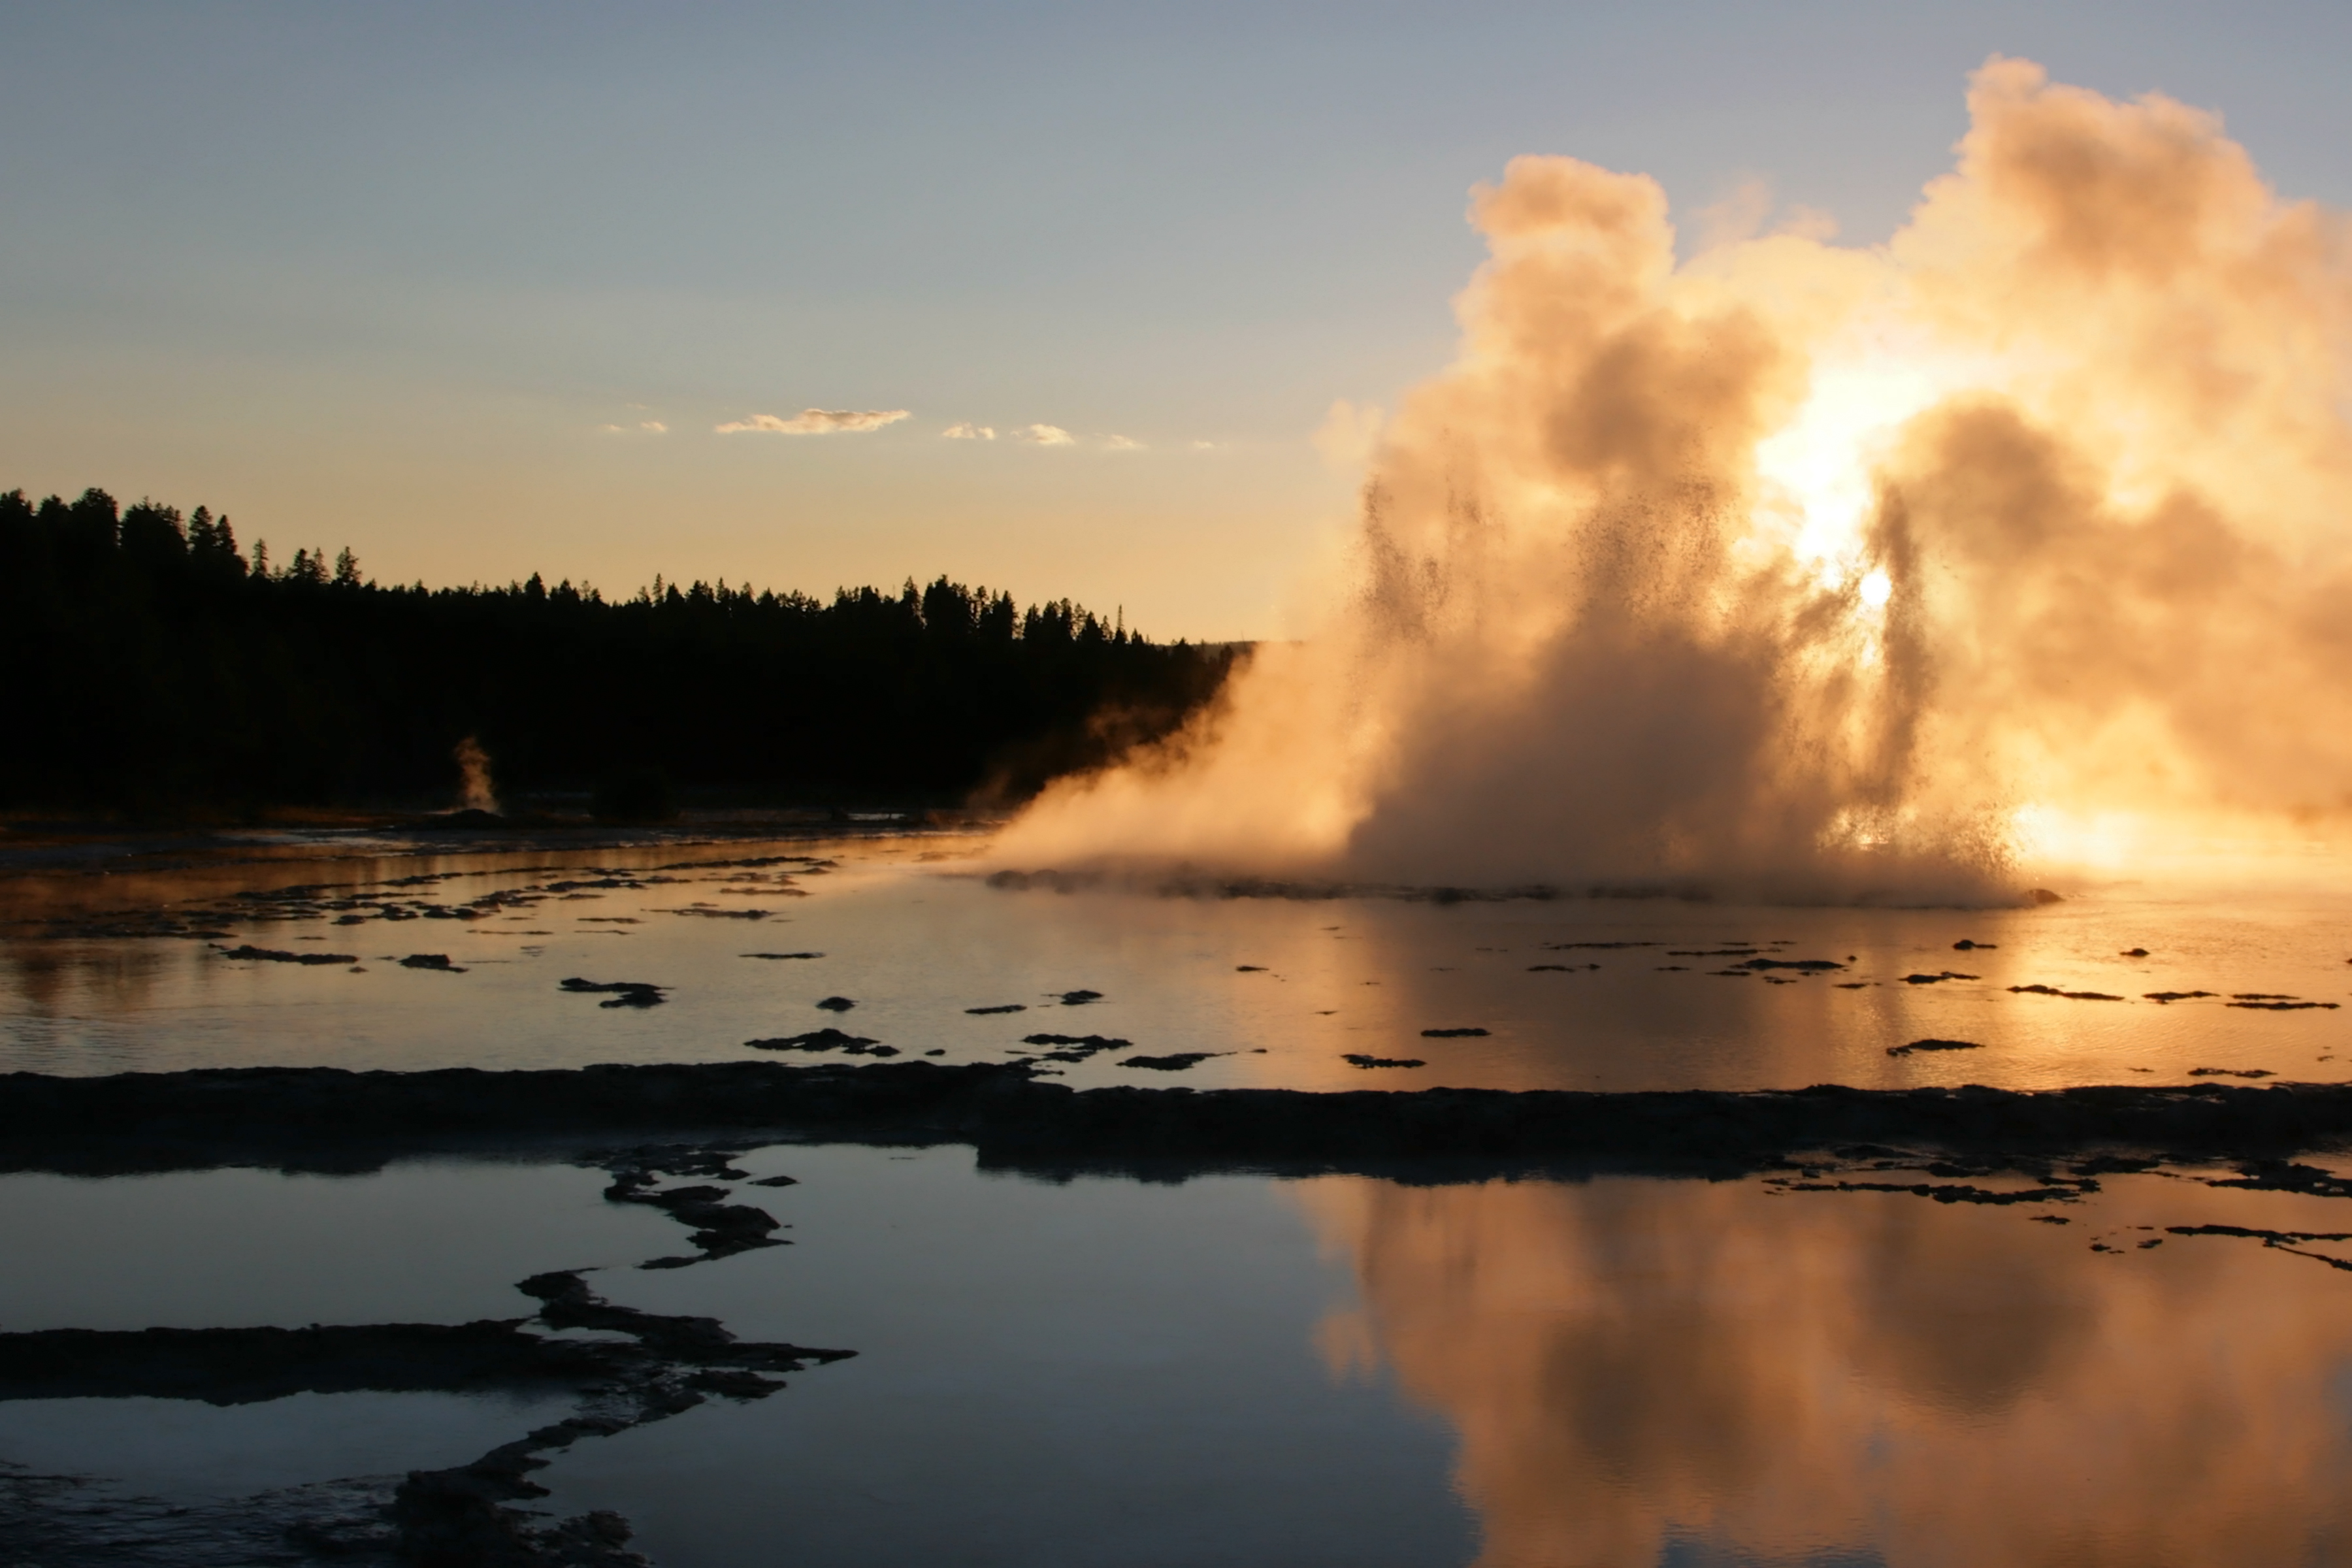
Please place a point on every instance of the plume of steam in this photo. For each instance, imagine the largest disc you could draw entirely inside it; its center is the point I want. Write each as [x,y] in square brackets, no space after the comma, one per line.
[475,791]
[1821,570]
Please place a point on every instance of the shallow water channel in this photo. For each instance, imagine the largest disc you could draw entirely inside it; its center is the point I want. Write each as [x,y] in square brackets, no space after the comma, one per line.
[1874,1359]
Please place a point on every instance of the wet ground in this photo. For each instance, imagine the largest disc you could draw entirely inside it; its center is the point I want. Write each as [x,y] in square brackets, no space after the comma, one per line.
[905,947]
[1953,1343]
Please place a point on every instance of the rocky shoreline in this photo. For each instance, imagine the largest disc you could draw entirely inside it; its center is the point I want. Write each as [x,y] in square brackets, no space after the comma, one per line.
[332,1117]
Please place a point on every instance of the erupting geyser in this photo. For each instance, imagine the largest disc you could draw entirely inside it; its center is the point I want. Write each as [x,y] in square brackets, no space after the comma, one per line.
[1821,571]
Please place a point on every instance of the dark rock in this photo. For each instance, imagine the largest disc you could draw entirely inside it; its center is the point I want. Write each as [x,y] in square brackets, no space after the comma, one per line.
[275,955]
[439,961]
[1079,998]
[1000,1007]
[836,1004]
[1935,979]
[331,1119]
[1356,1059]
[1452,1033]
[1175,1061]
[1933,1046]
[1957,1193]
[2072,995]
[622,992]
[1965,945]
[2285,1176]
[783,955]
[463,1515]
[826,1039]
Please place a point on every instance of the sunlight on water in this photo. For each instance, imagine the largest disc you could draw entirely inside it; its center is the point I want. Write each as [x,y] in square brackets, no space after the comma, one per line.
[1575,992]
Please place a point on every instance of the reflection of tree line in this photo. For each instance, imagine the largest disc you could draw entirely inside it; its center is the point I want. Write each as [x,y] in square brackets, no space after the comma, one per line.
[1646,1370]
[155,664]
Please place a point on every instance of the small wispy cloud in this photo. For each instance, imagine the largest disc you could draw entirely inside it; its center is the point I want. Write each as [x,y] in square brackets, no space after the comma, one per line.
[1122,444]
[968,431]
[1045,436]
[1204,445]
[653,426]
[816,422]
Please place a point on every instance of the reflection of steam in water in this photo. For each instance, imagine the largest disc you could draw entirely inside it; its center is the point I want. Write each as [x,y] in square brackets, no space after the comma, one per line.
[1829,571]
[1633,1363]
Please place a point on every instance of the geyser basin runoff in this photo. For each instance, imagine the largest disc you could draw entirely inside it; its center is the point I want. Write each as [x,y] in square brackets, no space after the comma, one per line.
[1869,1360]
[1571,992]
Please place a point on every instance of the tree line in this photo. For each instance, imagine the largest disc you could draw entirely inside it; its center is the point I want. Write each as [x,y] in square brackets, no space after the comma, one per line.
[154,666]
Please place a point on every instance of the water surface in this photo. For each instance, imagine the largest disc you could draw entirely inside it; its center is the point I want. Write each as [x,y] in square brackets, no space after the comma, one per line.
[1344,1368]
[1602,994]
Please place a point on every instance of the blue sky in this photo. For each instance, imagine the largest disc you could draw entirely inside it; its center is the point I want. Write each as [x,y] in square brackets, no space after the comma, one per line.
[387,274]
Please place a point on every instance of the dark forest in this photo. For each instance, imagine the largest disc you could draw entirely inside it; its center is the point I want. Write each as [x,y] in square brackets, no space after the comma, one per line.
[154,668]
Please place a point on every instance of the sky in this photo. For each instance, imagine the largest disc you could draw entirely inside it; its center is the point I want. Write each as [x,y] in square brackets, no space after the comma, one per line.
[476,289]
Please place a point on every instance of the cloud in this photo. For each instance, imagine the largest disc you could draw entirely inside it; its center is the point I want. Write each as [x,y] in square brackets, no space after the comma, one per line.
[1122,444]
[653,426]
[816,422]
[1045,436]
[1348,435]
[968,431]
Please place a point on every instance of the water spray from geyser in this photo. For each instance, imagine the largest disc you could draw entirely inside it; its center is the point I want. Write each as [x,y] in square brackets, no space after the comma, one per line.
[477,791]
[1810,572]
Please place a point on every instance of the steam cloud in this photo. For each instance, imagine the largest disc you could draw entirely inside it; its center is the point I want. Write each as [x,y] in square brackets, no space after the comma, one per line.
[816,422]
[476,791]
[1822,571]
